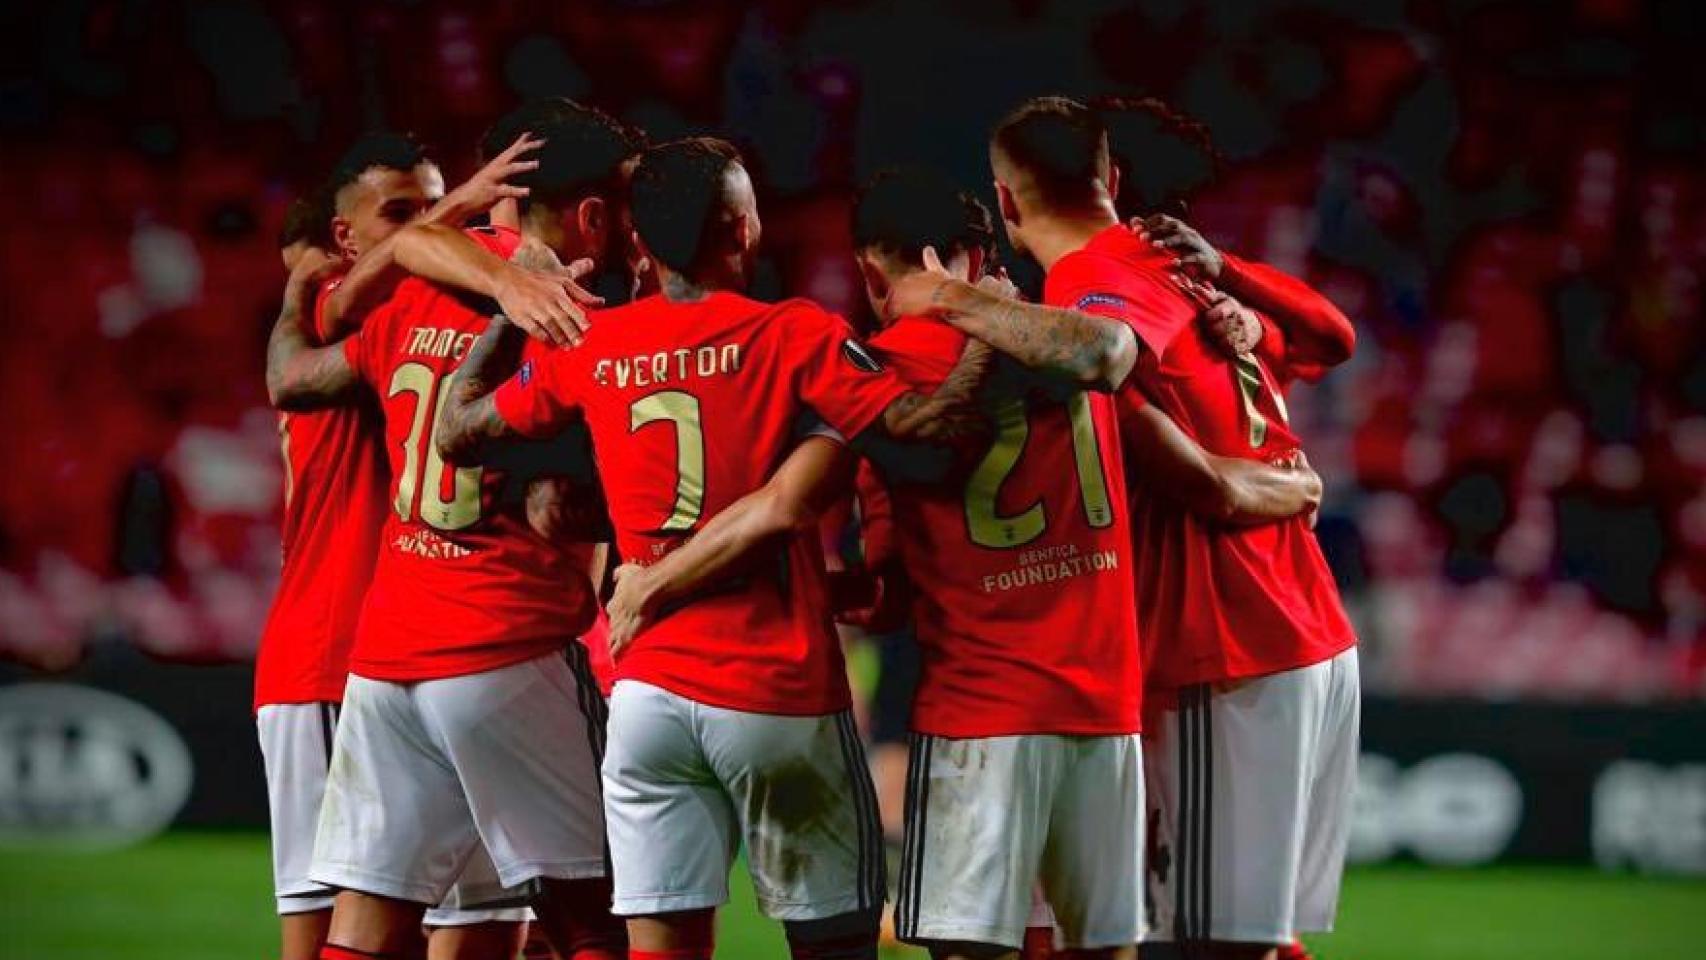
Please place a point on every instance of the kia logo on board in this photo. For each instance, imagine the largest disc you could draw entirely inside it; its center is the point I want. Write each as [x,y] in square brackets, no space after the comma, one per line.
[86,767]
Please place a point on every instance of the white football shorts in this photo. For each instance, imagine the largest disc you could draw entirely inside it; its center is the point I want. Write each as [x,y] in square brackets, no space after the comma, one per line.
[425,774]
[686,784]
[990,820]
[296,750]
[1251,796]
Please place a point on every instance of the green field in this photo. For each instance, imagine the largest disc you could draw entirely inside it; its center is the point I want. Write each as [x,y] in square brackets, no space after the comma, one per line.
[205,897]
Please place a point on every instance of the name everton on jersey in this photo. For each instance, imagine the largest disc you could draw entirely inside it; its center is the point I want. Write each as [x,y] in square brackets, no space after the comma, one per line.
[668,366]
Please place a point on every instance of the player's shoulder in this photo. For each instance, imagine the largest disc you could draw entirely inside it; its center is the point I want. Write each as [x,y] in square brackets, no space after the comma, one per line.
[497,238]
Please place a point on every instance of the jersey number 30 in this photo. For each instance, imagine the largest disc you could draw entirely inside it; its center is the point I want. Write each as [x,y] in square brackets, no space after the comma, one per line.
[425,482]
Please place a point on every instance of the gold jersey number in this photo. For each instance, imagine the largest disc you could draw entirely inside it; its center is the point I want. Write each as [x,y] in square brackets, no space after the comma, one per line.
[424,481]
[986,524]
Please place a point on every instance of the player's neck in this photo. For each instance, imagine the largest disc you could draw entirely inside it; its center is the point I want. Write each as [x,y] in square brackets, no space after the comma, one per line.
[1054,235]
[720,276]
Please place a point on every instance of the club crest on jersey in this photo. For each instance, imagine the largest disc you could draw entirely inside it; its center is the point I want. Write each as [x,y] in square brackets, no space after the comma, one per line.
[860,357]
[1098,300]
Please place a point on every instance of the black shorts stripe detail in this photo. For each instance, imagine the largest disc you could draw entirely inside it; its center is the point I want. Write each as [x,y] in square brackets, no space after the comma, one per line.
[912,852]
[328,730]
[1206,871]
[597,716]
[864,809]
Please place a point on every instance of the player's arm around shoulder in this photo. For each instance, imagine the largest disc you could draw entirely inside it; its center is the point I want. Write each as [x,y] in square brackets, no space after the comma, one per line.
[469,422]
[301,376]
[1084,349]
[815,475]
[1228,490]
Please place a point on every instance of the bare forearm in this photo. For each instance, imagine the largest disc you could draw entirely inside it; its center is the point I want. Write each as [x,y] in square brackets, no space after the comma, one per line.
[1215,488]
[915,416]
[446,255]
[469,421]
[1258,493]
[1086,350]
[299,375]
[818,472]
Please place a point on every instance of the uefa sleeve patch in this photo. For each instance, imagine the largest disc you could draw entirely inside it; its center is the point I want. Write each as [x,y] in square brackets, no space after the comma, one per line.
[525,374]
[860,357]
[1099,300]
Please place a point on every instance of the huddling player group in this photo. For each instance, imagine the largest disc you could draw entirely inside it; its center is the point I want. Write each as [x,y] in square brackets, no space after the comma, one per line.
[554,638]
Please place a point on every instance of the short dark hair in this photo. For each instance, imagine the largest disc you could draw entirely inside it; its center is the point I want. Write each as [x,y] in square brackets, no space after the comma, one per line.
[1163,155]
[1059,143]
[583,151]
[387,150]
[902,210]
[307,219]
[678,192]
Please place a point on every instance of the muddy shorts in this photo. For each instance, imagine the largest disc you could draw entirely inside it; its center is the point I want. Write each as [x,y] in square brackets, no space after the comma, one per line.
[685,785]
[991,819]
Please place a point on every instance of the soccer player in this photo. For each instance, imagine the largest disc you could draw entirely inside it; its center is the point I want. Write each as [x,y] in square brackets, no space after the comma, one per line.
[729,721]
[469,720]
[335,477]
[1056,186]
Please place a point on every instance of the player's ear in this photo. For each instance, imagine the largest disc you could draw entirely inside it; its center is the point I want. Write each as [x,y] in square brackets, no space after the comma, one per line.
[343,236]
[876,281]
[1113,181]
[1006,204]
[746,232]
[592,222]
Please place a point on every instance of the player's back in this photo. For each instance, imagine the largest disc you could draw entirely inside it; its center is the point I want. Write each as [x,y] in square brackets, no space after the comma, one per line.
[1023,573]
[1214,602]
[691,406]
[463,583]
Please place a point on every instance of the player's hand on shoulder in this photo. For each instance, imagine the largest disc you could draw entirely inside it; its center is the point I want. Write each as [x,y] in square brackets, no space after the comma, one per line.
[1191,252]
[920,292]
[315,265]
[1229,325]
[486,188]
[999,284]
[544,298]
[627,610]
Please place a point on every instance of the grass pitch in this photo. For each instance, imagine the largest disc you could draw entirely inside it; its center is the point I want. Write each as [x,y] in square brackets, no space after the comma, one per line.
[206,896]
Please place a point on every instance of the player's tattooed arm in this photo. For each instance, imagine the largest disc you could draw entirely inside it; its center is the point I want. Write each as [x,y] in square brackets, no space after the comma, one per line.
[948,412]
[301,376]
[546,301]
[817,473]
[376,273]
[469,423]
[1080,348]
[1220,489]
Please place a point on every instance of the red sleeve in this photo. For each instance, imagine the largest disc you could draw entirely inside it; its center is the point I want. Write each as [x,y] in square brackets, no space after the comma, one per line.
[838,376]
[1318,335]
[1154,310]
[543,397]
[355,354]
[320,301]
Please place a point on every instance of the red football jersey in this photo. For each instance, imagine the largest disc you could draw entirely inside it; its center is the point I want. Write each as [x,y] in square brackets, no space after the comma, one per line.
[1214,602]
[1023,599]
[334,504]
[692,406]
[463,584]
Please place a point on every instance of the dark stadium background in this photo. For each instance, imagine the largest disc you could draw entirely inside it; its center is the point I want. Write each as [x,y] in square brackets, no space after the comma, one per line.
[1508,198]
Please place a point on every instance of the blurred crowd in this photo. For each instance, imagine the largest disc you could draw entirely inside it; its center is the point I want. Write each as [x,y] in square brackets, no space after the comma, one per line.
[1508,198]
